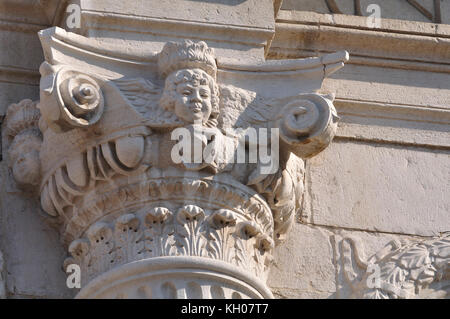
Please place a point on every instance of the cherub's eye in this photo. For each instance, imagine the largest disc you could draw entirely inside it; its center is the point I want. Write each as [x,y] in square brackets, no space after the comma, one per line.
[204,95]
[186,93]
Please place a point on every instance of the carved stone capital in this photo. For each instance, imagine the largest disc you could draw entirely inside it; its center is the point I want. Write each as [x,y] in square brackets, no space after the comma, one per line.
[136,220]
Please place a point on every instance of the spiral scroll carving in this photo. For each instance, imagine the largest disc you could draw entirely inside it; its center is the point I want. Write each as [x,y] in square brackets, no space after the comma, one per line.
[80,97]
[308,124]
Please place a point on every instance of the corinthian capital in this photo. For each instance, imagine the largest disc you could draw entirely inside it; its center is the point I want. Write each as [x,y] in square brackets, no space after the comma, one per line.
[129,210]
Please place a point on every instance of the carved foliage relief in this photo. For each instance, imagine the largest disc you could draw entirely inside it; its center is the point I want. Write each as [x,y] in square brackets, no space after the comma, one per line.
[400,270]
[158,231]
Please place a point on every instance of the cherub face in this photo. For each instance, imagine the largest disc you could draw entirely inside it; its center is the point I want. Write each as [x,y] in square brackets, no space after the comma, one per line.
[193,102]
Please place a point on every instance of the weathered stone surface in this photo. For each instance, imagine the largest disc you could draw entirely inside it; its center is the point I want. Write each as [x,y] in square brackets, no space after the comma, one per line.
[231,27]
[303,265]
[30,12]
[2,277]
[380,188]
[31,249]
[12,91]
[21,52]
[254,13]
[393,9]
[414,88]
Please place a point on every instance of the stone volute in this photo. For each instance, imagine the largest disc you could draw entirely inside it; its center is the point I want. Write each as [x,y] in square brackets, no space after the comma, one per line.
[138,222]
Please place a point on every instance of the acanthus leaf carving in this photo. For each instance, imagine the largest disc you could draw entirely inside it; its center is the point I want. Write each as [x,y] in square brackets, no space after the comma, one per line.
[221,235]
[100,238]
[159,239]
[222,224]
[190,231]
[128,238]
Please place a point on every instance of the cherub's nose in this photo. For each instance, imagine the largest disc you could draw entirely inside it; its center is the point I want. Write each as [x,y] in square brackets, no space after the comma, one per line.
[196,97]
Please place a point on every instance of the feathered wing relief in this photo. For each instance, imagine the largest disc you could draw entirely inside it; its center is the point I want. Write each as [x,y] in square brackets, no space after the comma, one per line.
[244,108]
[239,108]
[144,96]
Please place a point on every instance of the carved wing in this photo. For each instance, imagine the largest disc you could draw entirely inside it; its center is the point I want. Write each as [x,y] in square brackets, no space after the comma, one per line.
[144,96]
[141,93]
[243,108]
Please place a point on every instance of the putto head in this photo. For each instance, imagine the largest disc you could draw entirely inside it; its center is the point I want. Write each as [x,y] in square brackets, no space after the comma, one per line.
[193,96]
[190,89]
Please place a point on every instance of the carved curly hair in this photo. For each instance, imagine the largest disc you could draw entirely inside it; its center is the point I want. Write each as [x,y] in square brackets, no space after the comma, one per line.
[198,77]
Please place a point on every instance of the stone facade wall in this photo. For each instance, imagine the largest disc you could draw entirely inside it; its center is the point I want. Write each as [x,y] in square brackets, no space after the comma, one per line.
[386,175]
[31,250]
[383,182]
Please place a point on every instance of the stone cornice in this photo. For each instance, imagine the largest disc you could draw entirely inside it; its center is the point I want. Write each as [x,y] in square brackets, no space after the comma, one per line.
[357,116]
[355,22]
[9,74]
[237,34]
[404,10]
[6,25]
[32,12]
[297,31]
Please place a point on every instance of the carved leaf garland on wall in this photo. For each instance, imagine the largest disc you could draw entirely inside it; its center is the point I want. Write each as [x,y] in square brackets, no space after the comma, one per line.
[407,270]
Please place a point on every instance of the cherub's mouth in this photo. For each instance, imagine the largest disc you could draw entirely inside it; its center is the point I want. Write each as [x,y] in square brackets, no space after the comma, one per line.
[196,107]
